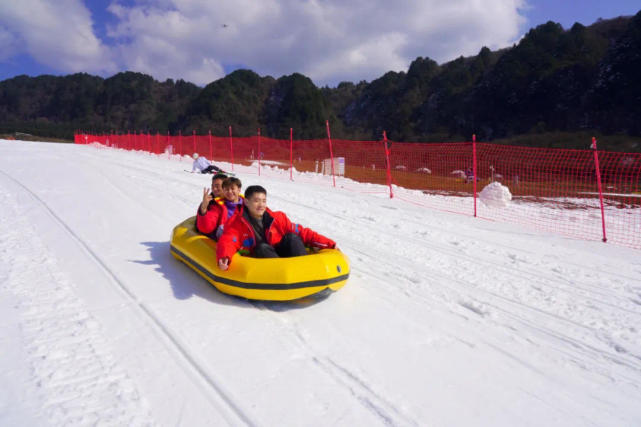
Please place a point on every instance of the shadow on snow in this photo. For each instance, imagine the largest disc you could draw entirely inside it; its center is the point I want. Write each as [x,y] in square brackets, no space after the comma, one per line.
[186,283]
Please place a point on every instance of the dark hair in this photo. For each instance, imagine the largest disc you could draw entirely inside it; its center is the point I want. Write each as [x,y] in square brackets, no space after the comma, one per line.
[219,176]
[232,180]
[254,189]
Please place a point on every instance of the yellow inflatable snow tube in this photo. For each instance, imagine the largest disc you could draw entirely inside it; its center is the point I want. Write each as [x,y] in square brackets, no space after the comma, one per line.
[275,279]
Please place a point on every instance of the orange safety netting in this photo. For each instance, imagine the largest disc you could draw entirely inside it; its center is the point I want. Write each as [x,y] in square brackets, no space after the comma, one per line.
[552,189]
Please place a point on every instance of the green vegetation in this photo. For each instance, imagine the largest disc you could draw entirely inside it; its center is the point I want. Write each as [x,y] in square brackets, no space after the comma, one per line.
[237,100]
[555,88]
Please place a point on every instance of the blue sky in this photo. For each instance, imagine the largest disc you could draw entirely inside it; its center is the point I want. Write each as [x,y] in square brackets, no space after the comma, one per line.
[328,40]
[567,12]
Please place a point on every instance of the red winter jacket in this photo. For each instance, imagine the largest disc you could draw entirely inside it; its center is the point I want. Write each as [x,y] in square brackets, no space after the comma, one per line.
[239,234]
[215,216]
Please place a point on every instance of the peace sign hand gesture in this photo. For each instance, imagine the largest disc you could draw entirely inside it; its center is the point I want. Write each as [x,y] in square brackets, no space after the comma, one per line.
[207,197]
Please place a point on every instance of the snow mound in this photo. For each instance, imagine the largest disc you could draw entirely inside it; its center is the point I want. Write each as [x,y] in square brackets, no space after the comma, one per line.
[495,195]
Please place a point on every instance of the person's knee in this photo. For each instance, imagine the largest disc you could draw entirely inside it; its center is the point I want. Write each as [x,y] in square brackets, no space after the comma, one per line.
[264,250]
[291,237]
[291,245]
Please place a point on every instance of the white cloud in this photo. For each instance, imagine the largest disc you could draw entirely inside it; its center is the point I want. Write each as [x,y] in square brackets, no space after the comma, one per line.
[366,60]
[57,34]
[164,44]
[8,44]
[465,26]
[328,40]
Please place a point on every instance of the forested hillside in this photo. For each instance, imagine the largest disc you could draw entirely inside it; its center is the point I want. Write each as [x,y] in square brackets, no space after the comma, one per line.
[554,88]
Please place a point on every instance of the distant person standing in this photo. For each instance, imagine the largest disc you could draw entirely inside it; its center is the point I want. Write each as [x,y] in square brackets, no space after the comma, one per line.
[202,165]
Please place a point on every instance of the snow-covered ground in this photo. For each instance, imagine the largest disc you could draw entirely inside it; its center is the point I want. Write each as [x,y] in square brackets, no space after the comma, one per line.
[445,320]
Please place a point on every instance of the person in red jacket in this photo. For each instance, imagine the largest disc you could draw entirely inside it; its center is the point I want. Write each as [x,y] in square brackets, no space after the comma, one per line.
[214,213]
[209,199]
[265,233]
[216,190]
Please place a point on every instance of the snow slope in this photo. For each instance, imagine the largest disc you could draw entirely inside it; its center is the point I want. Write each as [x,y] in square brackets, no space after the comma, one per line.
[445,320]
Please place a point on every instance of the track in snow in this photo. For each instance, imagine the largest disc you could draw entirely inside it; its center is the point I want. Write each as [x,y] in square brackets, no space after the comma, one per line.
[190,360]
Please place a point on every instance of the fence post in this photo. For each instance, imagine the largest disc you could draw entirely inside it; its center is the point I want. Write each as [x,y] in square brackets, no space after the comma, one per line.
[259,153]
[389,167]
[211,153]
[231,148]
[291,154]
[598,180]
[474,169]
[331,153]
[180,144]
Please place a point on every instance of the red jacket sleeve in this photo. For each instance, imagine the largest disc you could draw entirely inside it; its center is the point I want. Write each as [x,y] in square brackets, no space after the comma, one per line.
[207,223]
[229,243]
[309,236]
